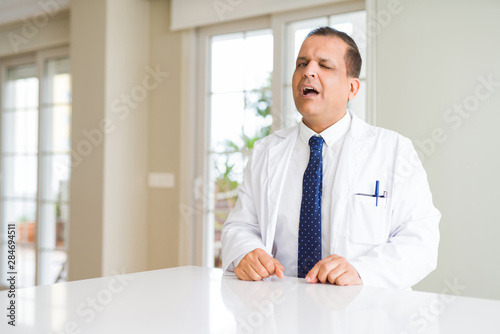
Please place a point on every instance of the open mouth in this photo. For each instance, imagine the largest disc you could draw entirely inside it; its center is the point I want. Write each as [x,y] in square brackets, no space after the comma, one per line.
[309,91]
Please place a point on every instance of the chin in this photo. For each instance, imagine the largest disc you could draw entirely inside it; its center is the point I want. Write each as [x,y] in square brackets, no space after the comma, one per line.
[307,111]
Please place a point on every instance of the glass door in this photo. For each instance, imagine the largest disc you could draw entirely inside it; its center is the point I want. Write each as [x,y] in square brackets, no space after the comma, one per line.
[35,167]
[19,168]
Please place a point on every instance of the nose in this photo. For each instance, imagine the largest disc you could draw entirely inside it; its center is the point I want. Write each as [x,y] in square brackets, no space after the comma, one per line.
[310,70]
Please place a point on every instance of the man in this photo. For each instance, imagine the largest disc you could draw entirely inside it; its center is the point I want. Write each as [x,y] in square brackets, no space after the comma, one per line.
[333,200]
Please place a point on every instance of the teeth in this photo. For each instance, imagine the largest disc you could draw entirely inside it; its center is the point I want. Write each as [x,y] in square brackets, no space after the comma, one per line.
[309,89]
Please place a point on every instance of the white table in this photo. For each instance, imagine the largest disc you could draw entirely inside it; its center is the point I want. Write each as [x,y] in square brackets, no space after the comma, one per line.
[200,300]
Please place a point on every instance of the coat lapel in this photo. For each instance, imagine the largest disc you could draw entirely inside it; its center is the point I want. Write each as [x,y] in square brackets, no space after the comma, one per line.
[278,160]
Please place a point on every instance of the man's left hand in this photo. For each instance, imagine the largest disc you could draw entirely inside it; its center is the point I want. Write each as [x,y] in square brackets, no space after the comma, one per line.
[334,269]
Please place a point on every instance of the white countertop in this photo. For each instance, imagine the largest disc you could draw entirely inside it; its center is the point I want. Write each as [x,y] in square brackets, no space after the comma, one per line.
[200,300]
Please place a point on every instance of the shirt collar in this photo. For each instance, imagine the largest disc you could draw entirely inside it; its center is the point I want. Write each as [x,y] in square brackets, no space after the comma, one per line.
[331,134]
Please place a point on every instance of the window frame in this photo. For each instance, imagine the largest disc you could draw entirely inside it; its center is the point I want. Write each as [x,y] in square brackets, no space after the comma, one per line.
[203,127]
[38,58]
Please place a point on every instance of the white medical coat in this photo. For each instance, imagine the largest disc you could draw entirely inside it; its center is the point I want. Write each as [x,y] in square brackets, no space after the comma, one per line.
[393,244]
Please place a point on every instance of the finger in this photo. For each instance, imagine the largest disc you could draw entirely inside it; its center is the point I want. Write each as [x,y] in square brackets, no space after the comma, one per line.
[268,265]
[312,280]
[312,275]
[252,274]
[247,267]
[335,274]
[253,267]
[279,269]
[257,271]
[350,277]
[343,279]
[326,268]
[240,273]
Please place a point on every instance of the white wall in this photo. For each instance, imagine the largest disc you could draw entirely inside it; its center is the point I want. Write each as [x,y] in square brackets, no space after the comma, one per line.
[430,58]
[126,146]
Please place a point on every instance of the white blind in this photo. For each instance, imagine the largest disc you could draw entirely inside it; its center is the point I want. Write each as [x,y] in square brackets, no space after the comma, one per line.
[22,72]
[196,13]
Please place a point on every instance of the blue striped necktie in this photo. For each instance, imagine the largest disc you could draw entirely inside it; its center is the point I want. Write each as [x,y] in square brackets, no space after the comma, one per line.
[310,210]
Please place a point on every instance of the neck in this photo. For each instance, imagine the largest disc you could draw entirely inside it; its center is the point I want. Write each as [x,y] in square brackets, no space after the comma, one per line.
[319,125]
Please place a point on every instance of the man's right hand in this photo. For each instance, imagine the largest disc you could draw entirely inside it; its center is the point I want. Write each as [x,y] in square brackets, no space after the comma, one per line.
[257,265]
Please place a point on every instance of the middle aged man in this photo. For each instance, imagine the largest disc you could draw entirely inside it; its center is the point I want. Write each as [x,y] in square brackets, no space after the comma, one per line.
[332,199]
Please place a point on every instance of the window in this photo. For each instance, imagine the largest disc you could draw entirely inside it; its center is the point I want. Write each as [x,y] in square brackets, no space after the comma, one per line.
[35,160]
[240,114]
[245,92]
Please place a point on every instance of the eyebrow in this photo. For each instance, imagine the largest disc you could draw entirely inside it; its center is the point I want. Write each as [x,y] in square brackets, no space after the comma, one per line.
[321,60]
[325,60]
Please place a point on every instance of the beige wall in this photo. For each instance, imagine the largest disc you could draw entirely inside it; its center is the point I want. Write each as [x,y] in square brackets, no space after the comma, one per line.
[88,62]
[19,38]
[164,139]
[117,223]
[430,58]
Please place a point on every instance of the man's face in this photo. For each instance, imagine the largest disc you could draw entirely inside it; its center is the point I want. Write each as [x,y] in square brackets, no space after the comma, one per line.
[320,84]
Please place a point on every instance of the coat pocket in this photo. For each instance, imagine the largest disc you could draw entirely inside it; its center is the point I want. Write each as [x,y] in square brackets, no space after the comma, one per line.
[368,223]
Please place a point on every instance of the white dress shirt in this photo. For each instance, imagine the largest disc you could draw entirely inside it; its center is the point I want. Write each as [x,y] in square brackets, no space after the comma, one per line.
[285,248]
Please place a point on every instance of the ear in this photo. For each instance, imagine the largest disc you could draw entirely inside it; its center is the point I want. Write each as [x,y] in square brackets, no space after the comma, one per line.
[353,87]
